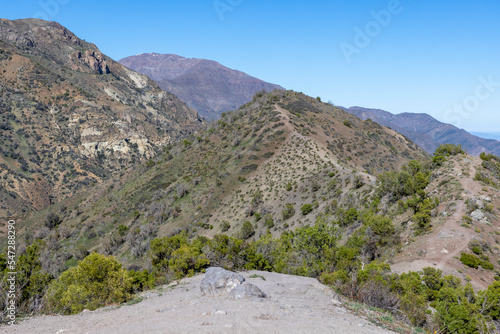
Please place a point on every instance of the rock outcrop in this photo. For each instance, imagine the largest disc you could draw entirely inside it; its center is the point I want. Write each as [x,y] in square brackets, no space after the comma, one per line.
[220,282]
[89,61]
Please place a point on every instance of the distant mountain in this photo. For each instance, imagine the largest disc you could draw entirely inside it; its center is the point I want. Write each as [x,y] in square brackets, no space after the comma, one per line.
[493,135]
[204,85]
[70,116]
[427,132]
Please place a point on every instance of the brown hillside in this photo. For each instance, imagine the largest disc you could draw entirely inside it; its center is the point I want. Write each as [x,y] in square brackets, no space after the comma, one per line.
[71,116]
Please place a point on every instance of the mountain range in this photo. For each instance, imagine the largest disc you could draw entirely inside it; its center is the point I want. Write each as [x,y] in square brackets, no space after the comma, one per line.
[427,132]
[204,85]
[212,88]
[102,170]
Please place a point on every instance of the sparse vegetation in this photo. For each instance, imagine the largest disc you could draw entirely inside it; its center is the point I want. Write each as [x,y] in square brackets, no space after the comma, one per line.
[288,211]
[306,209]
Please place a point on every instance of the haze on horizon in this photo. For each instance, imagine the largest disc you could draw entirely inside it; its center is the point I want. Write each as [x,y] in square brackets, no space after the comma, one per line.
[438,58]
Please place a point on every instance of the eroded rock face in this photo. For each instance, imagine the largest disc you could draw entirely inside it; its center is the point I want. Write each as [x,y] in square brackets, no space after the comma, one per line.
[220,282]
[92,60]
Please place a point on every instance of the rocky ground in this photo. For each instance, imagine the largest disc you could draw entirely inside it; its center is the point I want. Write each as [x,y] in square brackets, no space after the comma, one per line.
[293,305]
[450,237]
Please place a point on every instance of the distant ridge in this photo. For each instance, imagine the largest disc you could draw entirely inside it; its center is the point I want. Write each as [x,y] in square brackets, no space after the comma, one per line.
[427,132]
[204,85]
[494,135]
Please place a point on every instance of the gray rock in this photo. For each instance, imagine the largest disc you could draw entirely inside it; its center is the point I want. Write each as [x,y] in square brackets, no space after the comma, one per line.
[477,214]
[218,281]
[486,198]
[479,204]
[245,291]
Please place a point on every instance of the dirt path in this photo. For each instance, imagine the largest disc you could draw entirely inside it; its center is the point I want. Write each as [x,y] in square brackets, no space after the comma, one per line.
[295,305]
[442,247]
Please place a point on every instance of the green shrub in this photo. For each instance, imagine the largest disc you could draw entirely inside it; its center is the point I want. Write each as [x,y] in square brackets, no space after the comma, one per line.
[288,212]
[98,280]
[268,221]
[247,230]
[477,250]
[449,149]
[306,208]
[142,280]
[347,123]
[31,279]
[176,257]
[487,265]
[457,313]
[225,226]
[490,300]
[470,260]
[122,230]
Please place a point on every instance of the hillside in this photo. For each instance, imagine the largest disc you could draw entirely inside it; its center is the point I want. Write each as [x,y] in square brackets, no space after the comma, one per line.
[291,185]
[428,132]
[275,154]
[204,85]
[71,116]
[467,217]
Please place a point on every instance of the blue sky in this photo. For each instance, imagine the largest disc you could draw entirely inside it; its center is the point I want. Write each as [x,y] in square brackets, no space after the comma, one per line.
[438,57]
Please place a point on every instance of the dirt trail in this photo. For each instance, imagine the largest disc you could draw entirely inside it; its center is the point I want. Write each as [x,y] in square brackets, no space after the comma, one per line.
[448,239]
[295,305]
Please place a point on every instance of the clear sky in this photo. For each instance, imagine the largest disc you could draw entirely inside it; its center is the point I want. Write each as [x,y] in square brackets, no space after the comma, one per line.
[438,57]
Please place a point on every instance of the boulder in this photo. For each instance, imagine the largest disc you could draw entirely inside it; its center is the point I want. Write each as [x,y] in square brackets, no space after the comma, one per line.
[218,281]
[246,290]
[477,214]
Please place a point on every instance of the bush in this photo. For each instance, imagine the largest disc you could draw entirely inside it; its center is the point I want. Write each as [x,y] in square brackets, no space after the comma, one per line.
[52,220]
[268,221]
[288,212]
[449,149]
[98,280]
[122,230]
[31,279]
[470,260]
[225,226]
[249,168]
[247,230]
[306,208]
[142,280]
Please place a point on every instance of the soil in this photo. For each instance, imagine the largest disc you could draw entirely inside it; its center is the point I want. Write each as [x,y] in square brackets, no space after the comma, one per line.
[441,248]
[294,305]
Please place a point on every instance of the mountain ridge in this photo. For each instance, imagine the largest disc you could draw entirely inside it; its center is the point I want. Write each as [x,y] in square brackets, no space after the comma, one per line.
[204,85]
[426,131]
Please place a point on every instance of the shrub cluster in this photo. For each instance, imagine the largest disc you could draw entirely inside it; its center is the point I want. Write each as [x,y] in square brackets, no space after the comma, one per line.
[474,261]
[97,280]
